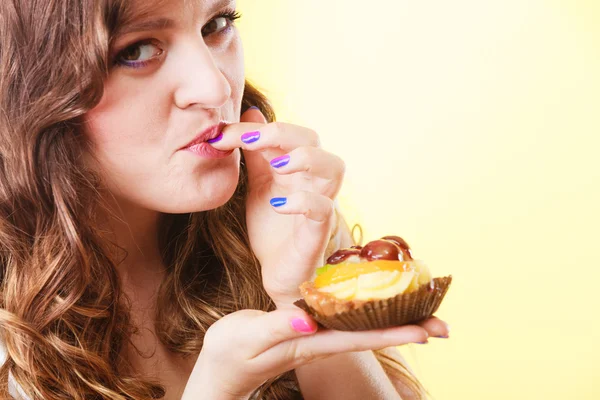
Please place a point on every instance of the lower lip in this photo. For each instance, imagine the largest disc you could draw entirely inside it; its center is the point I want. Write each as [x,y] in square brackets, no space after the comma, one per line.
[206,150]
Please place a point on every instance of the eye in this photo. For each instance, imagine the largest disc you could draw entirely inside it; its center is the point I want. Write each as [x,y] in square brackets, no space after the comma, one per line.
[220,23]
[139,54]
[215,26]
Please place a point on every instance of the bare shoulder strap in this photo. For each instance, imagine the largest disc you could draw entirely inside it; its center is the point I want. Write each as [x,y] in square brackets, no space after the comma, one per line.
[14,389]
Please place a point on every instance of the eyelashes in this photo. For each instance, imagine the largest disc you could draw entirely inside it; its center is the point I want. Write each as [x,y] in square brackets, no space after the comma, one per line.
[229,17]
[139,54]
[142,53]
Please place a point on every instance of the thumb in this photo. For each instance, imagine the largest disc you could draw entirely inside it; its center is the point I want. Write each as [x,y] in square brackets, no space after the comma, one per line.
[253,114]
[280,325]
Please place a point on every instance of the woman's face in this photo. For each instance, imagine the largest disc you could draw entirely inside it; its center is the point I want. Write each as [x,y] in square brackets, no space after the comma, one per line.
[178,73]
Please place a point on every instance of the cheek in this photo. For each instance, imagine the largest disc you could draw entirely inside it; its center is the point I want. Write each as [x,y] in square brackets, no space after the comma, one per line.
[124,115]
[231,63]
[126,127]
[126,133]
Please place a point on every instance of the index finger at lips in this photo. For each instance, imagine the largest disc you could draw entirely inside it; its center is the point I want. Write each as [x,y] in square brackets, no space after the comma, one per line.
[284,136]
[278,135]
[255,137]
[231,137]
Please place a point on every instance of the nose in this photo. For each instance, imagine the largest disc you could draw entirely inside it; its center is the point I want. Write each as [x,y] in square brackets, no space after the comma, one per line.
[200,81]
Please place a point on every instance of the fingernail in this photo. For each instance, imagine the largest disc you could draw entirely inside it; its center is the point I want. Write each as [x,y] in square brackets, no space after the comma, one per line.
[443,337]
[215,140]
[280,161]
[278,201]
[425,342]
[301,325]
[253,108]
[250,137]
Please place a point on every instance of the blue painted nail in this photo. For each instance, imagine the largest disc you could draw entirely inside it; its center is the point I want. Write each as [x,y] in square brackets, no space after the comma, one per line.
[278,201]
[250,137]
[442,337]
[422,342]
[280,161]
[254,108]
[215,140]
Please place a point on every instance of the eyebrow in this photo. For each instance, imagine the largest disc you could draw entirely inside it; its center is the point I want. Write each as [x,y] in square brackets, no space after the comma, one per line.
[218,5]
[164,23]
[147,25]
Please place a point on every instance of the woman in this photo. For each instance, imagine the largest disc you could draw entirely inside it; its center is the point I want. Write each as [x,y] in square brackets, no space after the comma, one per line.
[154,224]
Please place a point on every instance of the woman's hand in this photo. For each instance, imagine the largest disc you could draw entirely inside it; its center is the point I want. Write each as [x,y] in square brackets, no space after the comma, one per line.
[290,210]
[246,348]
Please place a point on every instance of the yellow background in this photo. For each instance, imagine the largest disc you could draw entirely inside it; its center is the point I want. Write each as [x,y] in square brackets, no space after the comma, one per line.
[472,129]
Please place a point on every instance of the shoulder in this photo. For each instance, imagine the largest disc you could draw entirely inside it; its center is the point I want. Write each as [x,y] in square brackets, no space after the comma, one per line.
[401,375]
[14,389]
[2,353]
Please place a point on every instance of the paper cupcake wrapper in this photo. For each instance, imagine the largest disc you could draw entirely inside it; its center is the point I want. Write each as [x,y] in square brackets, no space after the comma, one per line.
[403,309]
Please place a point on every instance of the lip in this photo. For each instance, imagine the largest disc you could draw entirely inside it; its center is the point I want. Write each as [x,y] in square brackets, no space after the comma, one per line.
[207,134]
[204,149]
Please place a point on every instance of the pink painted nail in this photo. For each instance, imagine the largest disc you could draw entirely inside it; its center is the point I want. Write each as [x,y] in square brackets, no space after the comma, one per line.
[301,325]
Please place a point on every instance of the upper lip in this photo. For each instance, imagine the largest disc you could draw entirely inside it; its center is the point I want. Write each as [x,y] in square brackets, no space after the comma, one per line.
[207,134]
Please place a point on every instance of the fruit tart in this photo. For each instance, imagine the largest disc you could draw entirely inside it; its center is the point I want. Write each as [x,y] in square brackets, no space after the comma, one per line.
[376,286]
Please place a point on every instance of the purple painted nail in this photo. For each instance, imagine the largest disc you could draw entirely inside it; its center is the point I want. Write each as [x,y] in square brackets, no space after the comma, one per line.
[250,137]
[280,161]
[216,139]
[253,108]
[443,337]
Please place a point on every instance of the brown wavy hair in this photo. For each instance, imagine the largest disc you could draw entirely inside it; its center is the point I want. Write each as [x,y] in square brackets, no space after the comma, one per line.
[63,316]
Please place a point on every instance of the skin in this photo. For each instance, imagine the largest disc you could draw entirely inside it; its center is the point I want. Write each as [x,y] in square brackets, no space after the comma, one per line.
[193,80]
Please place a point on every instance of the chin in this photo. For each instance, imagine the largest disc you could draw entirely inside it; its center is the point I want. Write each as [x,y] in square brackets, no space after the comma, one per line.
[182,191]
[215,198]
[206,194]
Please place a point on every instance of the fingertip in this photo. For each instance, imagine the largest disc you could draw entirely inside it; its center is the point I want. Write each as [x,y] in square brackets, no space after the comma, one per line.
[407,334]
[278,202]
[280,162]
[253,114]
[435,327]
[225,141]
[303,324]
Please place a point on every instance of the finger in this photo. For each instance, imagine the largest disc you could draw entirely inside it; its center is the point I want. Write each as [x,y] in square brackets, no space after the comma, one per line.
[313,206]
[435,327]
[299,351]
[277,326]
[231,137]
[311,160]
[253,114]
[254,136]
